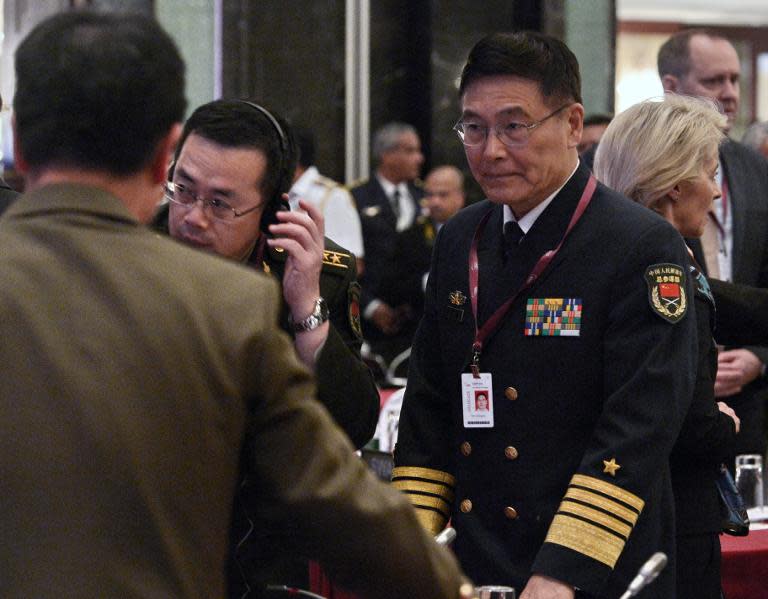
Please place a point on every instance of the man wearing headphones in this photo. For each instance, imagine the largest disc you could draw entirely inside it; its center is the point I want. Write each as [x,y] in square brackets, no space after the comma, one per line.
[233,166]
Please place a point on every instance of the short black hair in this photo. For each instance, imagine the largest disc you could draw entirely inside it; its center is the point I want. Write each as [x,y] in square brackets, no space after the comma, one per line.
[241,123]
[529,55]
[96,91]
[305,140]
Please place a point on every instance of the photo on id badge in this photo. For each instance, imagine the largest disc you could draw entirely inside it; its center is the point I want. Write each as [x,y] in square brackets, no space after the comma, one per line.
[477,400]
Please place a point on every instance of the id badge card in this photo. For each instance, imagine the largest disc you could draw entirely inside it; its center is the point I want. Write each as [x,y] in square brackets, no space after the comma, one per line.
[477,400]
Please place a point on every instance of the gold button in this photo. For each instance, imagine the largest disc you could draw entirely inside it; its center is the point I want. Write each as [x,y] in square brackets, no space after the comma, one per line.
[510,512]
[511,393]
[511,453]
[466,448]
[465,506]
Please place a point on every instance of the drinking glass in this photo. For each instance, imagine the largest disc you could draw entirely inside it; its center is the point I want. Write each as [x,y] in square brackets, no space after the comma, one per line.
[749,479]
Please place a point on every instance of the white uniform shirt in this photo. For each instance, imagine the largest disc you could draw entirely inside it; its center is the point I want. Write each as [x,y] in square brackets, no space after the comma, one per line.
[342,223]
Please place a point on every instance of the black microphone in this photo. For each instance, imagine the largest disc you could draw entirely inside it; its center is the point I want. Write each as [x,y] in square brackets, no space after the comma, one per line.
[446,537]
[646,575]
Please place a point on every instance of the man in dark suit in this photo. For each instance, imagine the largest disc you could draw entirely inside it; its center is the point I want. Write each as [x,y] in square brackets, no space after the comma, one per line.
[569,306]
[388,203]
[231,151]
[131,366]
[406,280]
[734,246]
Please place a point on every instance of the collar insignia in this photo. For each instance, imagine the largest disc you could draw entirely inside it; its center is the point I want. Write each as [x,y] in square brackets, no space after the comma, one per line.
[457,298]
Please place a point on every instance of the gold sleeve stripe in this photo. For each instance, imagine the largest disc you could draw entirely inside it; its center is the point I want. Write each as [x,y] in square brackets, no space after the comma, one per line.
[585,538]
[596,517]
[420,486]
[608,489]
[430,503]
[617,509]
[433,522]
[428,474]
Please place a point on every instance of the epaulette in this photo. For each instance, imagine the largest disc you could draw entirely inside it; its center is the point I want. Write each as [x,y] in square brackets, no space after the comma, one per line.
[333,261]
[326,182]
[336,261]
[358,183]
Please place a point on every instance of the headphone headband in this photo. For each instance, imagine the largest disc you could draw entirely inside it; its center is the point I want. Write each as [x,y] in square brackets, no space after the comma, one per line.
[275,124]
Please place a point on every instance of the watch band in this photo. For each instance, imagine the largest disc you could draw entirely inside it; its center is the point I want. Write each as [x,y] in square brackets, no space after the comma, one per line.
[318,316]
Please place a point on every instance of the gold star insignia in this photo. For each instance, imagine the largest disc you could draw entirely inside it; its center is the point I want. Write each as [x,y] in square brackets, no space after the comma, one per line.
[610,466]
[335,259]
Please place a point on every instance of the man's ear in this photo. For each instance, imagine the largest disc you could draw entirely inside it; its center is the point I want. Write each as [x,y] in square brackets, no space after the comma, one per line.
[575,124]
[20,164]
[670,83]
[164,153]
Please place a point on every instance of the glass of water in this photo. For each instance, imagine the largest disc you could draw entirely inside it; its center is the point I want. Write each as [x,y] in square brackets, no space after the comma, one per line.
[749,479]
[496,592]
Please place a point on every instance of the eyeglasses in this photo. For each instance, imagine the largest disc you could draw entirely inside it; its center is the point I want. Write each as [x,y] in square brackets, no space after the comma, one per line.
[511,133]
[218,209]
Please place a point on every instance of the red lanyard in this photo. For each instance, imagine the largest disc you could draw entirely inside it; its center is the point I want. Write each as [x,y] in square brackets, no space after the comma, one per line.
[492,324]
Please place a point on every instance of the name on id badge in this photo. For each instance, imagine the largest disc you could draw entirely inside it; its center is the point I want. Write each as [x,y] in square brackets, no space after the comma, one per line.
[477,400]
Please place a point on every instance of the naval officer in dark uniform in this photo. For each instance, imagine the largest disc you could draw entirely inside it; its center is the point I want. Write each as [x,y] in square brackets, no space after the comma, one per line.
[228,150]
[570,306]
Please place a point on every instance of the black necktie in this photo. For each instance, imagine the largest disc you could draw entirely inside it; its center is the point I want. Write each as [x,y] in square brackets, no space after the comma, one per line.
[513,234]
[396,203]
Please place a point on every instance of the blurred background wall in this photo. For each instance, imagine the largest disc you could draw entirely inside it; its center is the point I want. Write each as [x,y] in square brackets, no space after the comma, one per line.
[346,67]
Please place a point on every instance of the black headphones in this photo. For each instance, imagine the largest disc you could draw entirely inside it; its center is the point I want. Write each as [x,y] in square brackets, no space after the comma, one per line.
[284,179]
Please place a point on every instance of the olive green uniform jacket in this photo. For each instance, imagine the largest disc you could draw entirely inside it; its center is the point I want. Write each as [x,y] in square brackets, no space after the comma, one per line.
[131,367]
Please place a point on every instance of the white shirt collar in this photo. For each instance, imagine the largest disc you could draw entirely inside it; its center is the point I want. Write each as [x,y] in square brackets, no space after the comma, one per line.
[389,187]
[526,222]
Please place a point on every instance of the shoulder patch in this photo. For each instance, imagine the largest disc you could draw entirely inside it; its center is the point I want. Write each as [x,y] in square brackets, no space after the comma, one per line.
[666,291]
[353,310]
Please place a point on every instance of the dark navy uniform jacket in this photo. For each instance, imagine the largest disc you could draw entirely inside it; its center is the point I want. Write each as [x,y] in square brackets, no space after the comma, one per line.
[573,481]
[746,172]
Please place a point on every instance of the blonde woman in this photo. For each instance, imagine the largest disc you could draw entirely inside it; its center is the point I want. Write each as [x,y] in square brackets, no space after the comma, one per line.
[663,154]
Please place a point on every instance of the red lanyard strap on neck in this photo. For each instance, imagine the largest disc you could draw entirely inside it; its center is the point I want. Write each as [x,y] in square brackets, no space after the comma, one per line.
[492,324]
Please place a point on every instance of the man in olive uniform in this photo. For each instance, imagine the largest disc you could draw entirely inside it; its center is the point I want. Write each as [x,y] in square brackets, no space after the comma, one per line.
[231,154]
[233,149]
[132,366]
[569,306]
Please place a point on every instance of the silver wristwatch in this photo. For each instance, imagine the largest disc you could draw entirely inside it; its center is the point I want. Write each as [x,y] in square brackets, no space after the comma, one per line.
[310,323]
